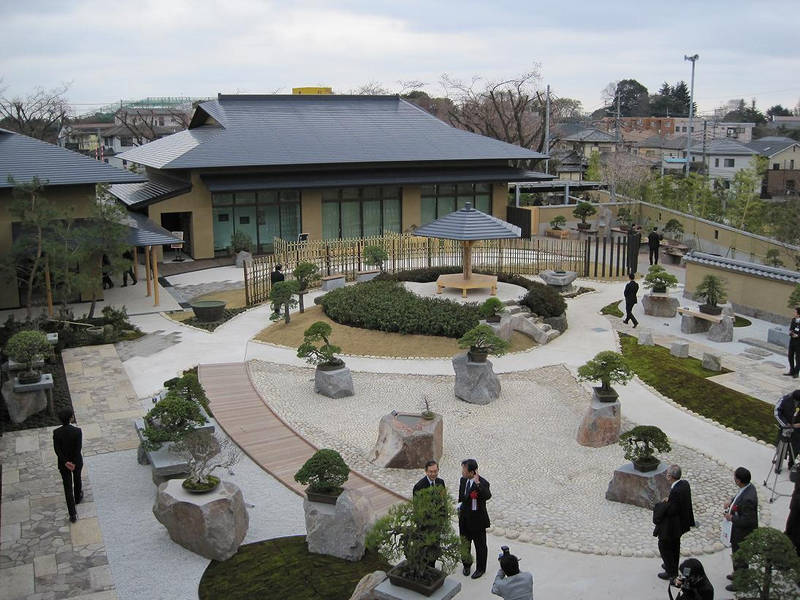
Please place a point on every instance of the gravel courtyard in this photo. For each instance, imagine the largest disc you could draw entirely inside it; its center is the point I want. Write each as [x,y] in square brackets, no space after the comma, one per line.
[546,488]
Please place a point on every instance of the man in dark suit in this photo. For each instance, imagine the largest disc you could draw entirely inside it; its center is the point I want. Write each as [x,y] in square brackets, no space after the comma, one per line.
[631,289]
[677,519]
[794,345]
[431,478]
[277,275]
[654,243]
[742,512]
[67,442]
[787,417]
[634,241]
[473,520]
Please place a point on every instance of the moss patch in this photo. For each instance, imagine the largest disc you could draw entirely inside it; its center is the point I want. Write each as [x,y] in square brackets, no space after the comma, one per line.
[684,380]
[741,322]
[612,309]
[284,568]
[354,340]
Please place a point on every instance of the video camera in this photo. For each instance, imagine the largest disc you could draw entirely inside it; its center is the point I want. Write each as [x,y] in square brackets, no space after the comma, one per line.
[685,584]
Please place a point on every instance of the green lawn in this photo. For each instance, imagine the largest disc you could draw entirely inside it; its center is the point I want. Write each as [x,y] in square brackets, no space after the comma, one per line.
[612,309]
[684,380]
[284,569]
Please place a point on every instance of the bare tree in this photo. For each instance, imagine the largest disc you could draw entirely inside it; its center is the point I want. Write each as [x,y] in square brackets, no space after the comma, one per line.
[371,88]
[145,124]
[40,114]
[625,173]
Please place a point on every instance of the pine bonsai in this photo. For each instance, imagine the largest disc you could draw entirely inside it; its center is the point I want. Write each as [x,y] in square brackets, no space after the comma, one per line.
[712,289]
[491,308]
[325,353]
[659,278]
[641,443]
[774,567]
[584,210]
[375,256]
[673,228]
[282,296]
[558,222]
[607,367]
[324,473]
[25,347]
[306,274]
[482,338]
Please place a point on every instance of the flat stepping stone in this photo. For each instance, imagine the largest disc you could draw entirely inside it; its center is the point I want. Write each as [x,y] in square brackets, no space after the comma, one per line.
[758,351]
[763,345]
[750,356]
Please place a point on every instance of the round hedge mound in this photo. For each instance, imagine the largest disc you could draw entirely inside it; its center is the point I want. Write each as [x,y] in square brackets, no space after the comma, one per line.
[284,568]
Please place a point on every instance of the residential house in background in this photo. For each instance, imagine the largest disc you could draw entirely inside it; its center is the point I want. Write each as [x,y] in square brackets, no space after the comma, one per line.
[787,123]
[331,166]
[568,165]
[670,151]
[639,128]
[783,166]
[585,141]
[724,158]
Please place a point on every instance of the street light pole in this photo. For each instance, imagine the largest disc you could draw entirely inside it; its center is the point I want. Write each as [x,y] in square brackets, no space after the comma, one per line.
[693,59]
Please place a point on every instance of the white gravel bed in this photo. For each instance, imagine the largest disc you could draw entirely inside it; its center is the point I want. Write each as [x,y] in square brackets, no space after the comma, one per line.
[546,488]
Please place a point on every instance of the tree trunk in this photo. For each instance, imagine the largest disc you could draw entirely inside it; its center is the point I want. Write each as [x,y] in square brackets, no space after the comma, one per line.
[286,312]
[34,268]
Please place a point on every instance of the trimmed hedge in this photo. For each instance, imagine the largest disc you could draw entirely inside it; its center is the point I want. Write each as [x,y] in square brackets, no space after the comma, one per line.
[387,306]
[544,301]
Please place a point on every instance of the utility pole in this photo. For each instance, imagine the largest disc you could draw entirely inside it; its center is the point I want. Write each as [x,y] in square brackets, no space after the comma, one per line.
[693,60]
[616,122]
[547,131]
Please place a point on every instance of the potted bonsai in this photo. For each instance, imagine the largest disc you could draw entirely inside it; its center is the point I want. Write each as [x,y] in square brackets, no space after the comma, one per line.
[624,217]
[607,367]
[27,347]
[282,297]
[242,246]
[774,567]
[659,279]
[323,356]
[427,413]
[171,419]
[582,211]
[205,453]
[641,443]
[492,309]
[306,274]
[712,290]
[418,533]
[673,229]
[374,256]
[482,341]
[324,474]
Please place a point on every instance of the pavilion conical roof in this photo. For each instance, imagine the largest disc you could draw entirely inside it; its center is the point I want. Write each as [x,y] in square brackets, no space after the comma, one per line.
[468,224]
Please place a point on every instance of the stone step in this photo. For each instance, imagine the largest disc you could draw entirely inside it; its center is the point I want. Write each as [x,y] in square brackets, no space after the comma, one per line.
[758,351]
[764,345]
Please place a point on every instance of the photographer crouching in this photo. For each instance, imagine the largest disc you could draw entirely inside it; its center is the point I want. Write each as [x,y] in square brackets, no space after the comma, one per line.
[692,582]
[509,583]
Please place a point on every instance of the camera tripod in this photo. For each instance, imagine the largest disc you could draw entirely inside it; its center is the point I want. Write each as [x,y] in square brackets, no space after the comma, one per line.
[783,449]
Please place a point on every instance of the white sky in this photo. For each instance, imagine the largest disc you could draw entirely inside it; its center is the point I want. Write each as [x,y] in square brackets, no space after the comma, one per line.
[109,51]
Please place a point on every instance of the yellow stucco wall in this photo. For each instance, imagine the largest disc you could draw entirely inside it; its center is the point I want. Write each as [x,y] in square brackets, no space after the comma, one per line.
[198,202]
[412,207]
[311,213]
[499,200]
[74,200]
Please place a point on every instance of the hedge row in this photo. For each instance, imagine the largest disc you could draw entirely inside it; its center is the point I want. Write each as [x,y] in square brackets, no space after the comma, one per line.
[387,306]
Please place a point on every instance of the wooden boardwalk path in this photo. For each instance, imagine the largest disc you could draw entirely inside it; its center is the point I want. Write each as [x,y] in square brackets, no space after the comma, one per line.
[266,438]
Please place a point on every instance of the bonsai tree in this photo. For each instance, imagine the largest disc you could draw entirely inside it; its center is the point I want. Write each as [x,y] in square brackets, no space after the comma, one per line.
[774,567]
[25,347]
[427,413]
[641,443]
[188,386]
[421,532]
[624,216]
[282,296]
[607,367]
[241,242]
[772,258]
[673,228]
[491,309]
[205,453]
[324,473]
[659,279]
[558,222]
[482,340]
[306,274]
[323,354]
[375,256]
[794,298]
[712,289]
[584,210]
[171,420]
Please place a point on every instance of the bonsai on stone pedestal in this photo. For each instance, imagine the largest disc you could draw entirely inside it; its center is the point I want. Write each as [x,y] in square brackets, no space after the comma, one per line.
[324,474]
[492,309]
[659,279]
[641,443]
[583,210]
[712,290]
[205,453]
[332,378]
[607,367]
[25,347]
[482,341]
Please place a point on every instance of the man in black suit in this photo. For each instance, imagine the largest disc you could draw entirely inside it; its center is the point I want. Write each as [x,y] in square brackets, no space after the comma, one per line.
[631,289]
[277,275]
[634,241]
[677,519]
[742,512]
[473,520]
[654,242]
[794,345]
[67,442]
[431,478]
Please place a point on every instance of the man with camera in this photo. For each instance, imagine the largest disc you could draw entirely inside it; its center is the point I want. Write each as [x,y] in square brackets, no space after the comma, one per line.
[673,518]
[692,582]
[473,520]
[510,583]
[789,423]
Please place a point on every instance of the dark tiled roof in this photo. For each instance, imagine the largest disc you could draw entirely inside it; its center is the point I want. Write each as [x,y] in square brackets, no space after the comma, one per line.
[667,143]
[135,195]
[469,224]
[24,158]
[769,146]
[723,146]
[317,130]
[144,232]
[590,135]
[701,258]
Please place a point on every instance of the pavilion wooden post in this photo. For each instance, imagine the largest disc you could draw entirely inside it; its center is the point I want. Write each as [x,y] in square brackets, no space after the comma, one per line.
[48,286]
[135,262]
[154,260]
[147,268]
[467,259]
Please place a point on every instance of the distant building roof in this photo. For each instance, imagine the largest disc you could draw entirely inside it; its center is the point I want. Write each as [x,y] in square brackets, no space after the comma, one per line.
[590,135]
[135,195]
[24,158]
[701,258]
[663,142]
[144,232]
[723,146]
[282,130]
[771,145]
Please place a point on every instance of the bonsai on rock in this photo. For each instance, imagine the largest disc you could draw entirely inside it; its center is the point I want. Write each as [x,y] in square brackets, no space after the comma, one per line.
[492,309]
[306,274]
[324,474]
[641,444]
[643,481]
[582,211]
[482,341]
[204,454]
[607,367]
[712,290]
[419,533]
[659,280]
[476,381]
[27,347]
[602,421]
[332,378]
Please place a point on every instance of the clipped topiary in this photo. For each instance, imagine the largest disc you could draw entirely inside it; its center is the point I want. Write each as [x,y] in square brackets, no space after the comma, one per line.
[640,445]
[324,473]
[773,566]
[543,300]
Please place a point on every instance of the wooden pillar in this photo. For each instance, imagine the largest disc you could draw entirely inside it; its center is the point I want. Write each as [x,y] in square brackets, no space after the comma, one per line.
[49,287]
[154,260]
[147,269]
[467,260]
[136,262]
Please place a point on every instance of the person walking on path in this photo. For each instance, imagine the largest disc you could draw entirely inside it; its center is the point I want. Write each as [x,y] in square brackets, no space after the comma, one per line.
[128,272]
[67,443]
[631,289]
[676,519]
[654,243]
[473,520]
[742,512]
[794,345]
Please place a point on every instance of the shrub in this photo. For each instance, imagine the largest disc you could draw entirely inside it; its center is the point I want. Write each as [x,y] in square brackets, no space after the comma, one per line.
[170,420]
[607,367]
[643,441]
[673,228]
[424,275]
[543,300]
[387,306]
[712,289]
[306,274]
[483,339]
[325,472]
[117,318]
[282,296]
[492,307]
[324,354]
[375,255]
[558,222]
[584,210]
[658,276]
[624,215]
[794,298]
[188,386]
[25,346]
[773,258]
[774,567]
[241,242]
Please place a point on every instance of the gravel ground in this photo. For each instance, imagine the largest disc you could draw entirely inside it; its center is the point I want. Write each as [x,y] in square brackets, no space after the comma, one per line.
[546,488]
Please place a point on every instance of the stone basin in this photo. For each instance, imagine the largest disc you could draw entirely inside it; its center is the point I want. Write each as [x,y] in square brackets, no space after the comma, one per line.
[208,311]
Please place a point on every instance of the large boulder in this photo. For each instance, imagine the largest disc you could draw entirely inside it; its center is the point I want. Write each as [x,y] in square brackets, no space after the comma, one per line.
[407,441]
[660,306]
[476,383]
[722,331]
[337,383]
[339,529]
[601,424]
[538,330]
[503,328]
[778,336]
[712,362]
[365,589]
[212,524]
[22,405]
[640,489]
[558,323]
